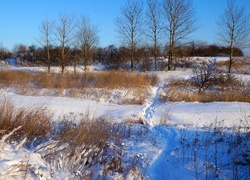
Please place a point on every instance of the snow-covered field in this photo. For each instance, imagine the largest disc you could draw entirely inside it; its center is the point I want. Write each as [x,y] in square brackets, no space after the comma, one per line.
[184,140]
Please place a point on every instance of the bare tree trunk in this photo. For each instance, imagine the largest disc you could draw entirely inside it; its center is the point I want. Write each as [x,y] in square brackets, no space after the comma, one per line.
[231,58]
[132,57]
[170,59]
[48,59]
[63,59]
[64,35]
[46,29]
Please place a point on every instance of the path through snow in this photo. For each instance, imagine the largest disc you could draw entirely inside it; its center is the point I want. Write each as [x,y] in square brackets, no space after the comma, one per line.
[149,110]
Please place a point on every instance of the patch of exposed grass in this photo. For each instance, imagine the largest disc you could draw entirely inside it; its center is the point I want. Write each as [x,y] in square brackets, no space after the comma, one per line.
[222,88]
[240,65]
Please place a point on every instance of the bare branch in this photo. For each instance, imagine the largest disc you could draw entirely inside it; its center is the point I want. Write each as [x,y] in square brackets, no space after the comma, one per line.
[234,29]
[87,36]
[180,22]
[129,25]
[154,24]
[46,30]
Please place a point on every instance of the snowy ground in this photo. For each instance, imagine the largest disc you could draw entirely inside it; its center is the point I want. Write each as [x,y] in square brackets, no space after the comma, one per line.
[168,156]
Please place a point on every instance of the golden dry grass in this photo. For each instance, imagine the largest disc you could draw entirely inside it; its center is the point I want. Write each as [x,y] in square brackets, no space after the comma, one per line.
[106,79]
[86,84]
[223,88]
[33,123]
[89,132]
[239,64]
[177,95]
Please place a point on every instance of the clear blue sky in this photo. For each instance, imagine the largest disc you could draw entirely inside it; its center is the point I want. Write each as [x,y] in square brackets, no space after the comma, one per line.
[20,19]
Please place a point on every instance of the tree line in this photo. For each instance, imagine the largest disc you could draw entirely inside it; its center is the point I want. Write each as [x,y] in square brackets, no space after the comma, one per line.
[148,32]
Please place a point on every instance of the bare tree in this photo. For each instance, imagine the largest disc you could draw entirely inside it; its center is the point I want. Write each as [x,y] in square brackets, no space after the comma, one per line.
[129,25]
[180,22]
[46,30]
[154,24]
[88,38]
[64,35]
[234,29]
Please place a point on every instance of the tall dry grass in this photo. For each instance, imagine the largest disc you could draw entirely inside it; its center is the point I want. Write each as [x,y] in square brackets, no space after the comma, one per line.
[105,79]
[240,65]
[33,124]
[177,95]
[222,88]
[87,84]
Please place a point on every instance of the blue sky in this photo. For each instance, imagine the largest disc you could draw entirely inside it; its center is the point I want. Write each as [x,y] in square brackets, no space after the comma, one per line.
[20,19]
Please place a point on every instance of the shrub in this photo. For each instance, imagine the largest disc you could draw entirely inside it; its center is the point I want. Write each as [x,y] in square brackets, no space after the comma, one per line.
[204,75]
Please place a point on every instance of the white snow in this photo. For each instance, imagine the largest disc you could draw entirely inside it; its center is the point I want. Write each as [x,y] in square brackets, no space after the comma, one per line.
[163,150]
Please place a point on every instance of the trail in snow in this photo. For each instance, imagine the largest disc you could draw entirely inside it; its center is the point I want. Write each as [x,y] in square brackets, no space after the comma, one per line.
[165,167]
[149,110]
[169,138]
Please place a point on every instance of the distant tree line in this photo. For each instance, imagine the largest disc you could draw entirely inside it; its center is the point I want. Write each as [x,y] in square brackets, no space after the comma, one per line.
[203,49]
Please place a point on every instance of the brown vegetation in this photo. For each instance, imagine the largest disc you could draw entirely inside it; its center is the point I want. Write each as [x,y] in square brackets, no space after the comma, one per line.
[240,65]
[30,124]
[106,79]
[81,84]
[221,88]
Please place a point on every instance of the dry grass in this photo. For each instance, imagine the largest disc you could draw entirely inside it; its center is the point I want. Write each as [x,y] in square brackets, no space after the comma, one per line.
[89,132]
[34,123]
[222,88]
[177,95]
[108,79]
[75,147]
[239,65]
[75,85]
[116,79]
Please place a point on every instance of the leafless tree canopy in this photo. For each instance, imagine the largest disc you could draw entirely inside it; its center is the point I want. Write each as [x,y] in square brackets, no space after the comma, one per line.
[234,28]
[154,25]
[129,25]
[88,38]
[46,31]
[180,22]
[64,35]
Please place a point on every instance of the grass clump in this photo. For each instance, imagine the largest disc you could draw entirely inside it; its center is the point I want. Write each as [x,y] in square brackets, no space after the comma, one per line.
[32,124]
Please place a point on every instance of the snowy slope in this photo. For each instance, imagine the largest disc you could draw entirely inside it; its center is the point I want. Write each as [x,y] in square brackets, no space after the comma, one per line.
[183,148]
